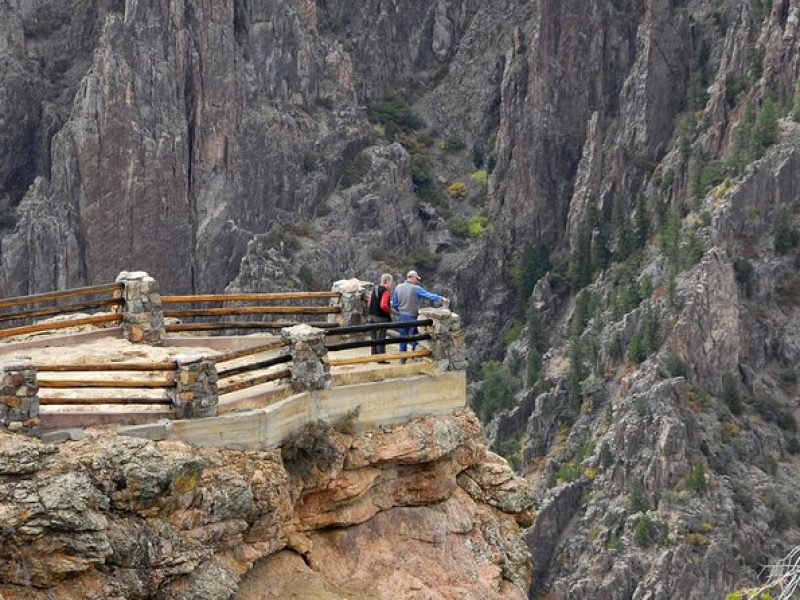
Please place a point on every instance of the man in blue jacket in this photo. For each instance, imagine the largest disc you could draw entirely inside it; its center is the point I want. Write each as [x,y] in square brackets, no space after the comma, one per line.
[406,301]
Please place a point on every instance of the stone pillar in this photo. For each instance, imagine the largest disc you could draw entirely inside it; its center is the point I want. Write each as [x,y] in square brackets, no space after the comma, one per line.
[195,394]
[19,407]
[142,317]
[352,301]
[447,338]
[310,368]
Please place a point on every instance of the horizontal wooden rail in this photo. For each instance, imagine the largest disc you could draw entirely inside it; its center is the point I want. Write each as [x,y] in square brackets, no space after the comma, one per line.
[336,330]
[262,364]
[53,401]
[234,325]
[253,310]
[236,354]
[94,320]
[109,383]
[60,295]
[154,366]
[379,357]
[227,388]
[247,297]
[58,310]
[372,343]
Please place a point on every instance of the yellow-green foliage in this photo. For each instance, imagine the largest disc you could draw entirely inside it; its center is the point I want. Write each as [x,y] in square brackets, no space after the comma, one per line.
[481,178]
[457,189]
[590,473]
[478,225]
[696,539]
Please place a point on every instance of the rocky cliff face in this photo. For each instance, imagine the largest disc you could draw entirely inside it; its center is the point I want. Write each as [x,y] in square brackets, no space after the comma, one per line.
[421,509]
[288,143]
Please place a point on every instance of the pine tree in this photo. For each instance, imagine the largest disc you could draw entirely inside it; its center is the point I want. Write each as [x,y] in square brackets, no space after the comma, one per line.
[670,237]
[642,223]
[531,266]
[786,236]
[796,108]
[576,372]
[649,330]
[623,232]
[744,151]
[601,256]
[766,131]
[582,259]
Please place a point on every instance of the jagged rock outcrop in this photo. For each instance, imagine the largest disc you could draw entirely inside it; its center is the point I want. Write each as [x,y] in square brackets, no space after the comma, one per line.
[111,517]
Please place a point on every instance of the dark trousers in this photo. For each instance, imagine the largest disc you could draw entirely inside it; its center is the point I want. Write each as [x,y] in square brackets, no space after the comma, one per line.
[379,334]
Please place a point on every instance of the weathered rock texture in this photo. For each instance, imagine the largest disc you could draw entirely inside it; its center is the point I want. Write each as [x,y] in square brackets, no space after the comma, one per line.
[419,509]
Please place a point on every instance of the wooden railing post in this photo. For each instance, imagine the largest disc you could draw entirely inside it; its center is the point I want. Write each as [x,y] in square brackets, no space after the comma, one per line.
[447,338]
[195,395]
[310,367]
[19,406]
[142,316]
[352,301]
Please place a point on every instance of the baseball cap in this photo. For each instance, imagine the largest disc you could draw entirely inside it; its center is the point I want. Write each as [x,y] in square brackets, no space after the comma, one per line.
[411,274]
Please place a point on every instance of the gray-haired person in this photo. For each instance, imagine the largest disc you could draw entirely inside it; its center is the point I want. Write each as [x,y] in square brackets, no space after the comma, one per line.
[380,310]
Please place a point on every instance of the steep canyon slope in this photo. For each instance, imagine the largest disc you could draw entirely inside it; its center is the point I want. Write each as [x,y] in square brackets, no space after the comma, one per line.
[632,148]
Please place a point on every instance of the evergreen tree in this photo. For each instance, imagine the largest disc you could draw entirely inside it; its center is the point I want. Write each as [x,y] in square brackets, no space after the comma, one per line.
[786,236]
[636,351]
[576,372]
[766,131]
[623,232]
[601,256]
[694,249]
[537,344]
[671,285]
[744,151]
[796,108]
[582,259]
[670,237]
[642,223]
[649,330]
[531,266]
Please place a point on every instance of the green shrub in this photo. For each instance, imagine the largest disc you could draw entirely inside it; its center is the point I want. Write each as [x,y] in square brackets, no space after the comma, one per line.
[648,531]
[793,446]
[512,335]
[772,411]
[309,161]
[395,116]
[770,465]
[355,170]
[325,102]
[606,459]
[478,156]
[567,473]
[730,393]
[674,366]
[743,269]
[457,189]
[614,543]
[497,390]
[636,500]
[786,235]
[789,376]
[481,178]
[477,226]
[451,146]
[696,481]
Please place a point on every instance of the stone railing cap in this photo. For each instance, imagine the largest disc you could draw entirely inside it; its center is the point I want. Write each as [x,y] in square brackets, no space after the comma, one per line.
[133,275]
[301,332]
[350,285]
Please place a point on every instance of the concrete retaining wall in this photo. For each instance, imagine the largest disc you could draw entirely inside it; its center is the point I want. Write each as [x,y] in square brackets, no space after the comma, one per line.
[379,403]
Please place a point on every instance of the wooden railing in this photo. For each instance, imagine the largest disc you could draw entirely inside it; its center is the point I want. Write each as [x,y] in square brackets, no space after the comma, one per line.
[265,307]
[235,375]
[143,383]
[372,358]
[106,297]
